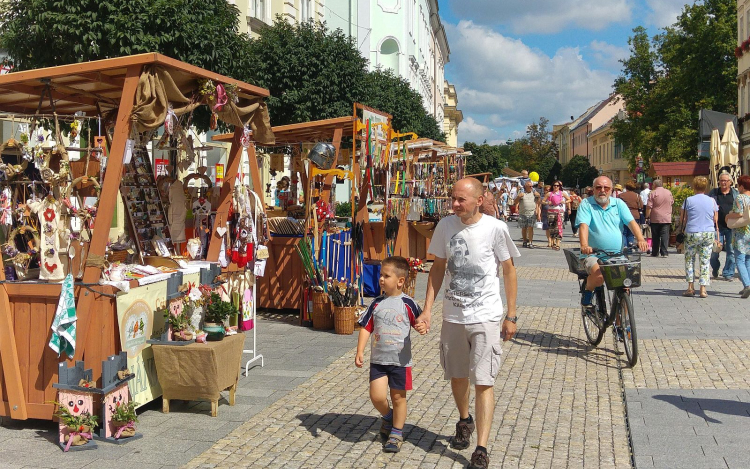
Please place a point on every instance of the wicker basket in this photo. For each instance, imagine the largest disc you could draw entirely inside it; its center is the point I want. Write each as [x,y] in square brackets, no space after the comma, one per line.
[322,317]
[344,318]
[118,256]
[411,283]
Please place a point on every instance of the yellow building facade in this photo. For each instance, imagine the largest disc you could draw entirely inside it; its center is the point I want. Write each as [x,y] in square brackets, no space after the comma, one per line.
[256,14]
[743,81]
[453,116]
[606,154]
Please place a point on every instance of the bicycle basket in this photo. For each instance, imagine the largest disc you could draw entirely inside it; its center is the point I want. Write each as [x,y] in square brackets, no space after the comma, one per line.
[622,272]
[575,263]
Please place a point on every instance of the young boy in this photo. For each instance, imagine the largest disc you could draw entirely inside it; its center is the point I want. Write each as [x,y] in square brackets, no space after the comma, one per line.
[389,318]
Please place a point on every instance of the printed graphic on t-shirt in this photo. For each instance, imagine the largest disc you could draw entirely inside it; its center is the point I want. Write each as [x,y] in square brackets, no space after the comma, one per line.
[464,275]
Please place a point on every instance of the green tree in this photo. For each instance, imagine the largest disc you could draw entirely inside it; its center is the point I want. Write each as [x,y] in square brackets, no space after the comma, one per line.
[201,32]
[549,169]
[311,73]
[392,94]
[669,78]
[578,172]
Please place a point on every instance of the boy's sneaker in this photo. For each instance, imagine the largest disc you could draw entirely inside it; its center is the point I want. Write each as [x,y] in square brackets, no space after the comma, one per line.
[385,429]
[479,460]
[462,439]
[393,445]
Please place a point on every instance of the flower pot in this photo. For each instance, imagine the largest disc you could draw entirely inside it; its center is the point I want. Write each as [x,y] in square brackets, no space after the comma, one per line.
[182,336]
[125,432]
[215,332]
[78,438]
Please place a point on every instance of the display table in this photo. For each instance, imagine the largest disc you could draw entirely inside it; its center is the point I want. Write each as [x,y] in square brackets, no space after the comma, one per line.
[199,371]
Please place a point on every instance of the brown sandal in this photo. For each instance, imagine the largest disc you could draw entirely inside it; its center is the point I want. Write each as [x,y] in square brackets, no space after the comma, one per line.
[704,294]
[689,292]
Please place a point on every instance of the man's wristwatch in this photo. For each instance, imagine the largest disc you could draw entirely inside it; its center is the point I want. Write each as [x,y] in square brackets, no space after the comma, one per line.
[512,319]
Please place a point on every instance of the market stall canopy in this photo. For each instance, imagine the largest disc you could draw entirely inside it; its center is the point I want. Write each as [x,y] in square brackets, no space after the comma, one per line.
[313,131]
[96,87]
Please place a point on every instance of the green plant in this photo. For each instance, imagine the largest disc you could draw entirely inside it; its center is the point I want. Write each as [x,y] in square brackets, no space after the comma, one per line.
[680,194]
[179,322]
[79,422]
[344,209]
[217,310]
[125,413]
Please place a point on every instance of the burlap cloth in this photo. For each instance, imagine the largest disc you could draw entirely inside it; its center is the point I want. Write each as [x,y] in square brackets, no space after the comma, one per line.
[157,90]
[199,371]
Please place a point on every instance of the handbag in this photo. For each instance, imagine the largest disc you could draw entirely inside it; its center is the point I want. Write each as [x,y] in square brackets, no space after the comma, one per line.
[718,246]
[680,237]
[742,221]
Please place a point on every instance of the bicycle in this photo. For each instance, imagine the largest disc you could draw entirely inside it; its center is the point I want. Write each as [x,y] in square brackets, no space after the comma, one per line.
[621,271]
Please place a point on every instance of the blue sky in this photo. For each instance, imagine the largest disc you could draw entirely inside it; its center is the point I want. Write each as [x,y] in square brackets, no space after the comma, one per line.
[514,61]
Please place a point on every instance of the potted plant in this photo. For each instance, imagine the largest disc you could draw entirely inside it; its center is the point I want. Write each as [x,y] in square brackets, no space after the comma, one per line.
[80,427]
[124,419]
[178,320]
[216,312]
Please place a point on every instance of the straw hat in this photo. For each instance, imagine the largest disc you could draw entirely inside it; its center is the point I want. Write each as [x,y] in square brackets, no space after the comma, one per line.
[618,187]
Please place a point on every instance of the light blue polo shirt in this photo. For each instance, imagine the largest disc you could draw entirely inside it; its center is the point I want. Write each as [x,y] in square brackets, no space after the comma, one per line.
[605,225]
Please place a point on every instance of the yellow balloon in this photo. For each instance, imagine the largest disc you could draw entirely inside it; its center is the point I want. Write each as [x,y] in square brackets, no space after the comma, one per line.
[534,176]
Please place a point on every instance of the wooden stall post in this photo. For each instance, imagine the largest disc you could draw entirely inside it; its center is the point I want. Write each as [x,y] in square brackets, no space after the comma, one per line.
[9,356]
[337,133]
[225,197]
[107,200]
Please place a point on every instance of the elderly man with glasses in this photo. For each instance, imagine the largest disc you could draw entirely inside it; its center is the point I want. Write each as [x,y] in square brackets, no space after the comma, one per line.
[600,220]
[724,195]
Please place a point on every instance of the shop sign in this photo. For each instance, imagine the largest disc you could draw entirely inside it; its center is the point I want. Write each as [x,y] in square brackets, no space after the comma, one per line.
[139,319]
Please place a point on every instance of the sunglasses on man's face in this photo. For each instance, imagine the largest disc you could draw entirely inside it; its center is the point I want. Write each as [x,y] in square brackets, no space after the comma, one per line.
[602,188]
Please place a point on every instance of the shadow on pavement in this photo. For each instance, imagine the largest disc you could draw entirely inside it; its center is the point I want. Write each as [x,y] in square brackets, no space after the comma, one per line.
[678,292]
[719,406]
[562,345]
[353,428]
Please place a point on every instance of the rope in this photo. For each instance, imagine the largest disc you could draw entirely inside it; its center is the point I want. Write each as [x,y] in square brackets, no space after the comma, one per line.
[97,261]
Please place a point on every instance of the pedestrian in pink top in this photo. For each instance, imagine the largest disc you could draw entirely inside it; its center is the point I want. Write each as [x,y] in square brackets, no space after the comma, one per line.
[659,216]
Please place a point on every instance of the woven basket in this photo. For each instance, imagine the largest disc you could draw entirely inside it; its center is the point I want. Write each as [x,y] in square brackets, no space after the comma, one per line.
[117,256]
[411,283]
[322,317]
[343,318]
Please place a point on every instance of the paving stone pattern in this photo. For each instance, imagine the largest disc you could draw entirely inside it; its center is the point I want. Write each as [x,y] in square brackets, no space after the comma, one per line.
[559,402]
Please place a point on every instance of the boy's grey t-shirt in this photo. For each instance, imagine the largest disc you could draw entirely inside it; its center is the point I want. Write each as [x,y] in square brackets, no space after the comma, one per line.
[389,319]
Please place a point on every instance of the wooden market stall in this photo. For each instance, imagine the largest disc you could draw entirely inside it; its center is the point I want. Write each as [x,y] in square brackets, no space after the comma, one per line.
[132,91]
[284,269]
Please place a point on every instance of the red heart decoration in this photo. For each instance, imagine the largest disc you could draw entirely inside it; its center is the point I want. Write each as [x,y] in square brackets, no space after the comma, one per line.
[49,214]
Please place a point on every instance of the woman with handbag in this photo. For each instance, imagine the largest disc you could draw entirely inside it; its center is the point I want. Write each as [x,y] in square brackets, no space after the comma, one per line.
[739,219]
[699,217]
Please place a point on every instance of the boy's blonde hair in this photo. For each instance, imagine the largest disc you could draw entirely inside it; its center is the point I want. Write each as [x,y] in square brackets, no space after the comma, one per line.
[399,264]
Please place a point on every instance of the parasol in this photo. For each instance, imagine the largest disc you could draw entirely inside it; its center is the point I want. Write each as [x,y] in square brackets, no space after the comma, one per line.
[730,154]
[715,161]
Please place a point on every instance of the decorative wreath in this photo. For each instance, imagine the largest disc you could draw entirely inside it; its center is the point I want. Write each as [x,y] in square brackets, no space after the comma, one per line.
[10,248]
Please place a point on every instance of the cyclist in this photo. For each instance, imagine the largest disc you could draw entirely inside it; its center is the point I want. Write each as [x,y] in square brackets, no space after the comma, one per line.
[600,220]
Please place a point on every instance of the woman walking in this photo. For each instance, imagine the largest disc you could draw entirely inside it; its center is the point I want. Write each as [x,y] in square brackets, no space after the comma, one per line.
[741,239]
[556,202]
[700,217]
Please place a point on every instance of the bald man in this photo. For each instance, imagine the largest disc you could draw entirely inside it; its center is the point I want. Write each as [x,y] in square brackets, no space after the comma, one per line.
[470,248]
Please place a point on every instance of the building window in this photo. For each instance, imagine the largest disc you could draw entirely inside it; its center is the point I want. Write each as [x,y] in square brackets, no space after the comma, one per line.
[743,104]
[389,55]
[741,31]
[258,9]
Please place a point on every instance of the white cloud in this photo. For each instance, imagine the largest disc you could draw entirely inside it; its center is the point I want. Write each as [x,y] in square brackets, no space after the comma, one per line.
[608,55]
[545,16]
[503,84]
[664,12]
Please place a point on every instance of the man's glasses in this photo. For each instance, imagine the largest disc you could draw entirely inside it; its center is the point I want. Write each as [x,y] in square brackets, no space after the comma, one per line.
[602,188]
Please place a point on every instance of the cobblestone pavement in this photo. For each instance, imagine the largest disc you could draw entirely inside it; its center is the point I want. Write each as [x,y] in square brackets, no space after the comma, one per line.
[559,402]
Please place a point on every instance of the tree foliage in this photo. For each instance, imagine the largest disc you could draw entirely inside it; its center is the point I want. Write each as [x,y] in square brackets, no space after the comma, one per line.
[386,91]
[668,78]
[47,33]
[578,172]
[311,73]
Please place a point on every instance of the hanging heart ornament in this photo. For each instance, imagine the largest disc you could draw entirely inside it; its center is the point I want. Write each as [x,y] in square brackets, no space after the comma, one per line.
[221,231]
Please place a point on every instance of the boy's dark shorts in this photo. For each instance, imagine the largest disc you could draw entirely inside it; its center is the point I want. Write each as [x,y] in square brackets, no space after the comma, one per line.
[399,377]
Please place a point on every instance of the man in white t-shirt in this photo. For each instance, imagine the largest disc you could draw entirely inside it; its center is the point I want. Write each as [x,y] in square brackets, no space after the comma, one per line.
[468,248]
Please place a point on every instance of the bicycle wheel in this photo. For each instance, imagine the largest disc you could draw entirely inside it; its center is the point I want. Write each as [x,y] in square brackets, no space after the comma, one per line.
[593,318]
[627,321]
